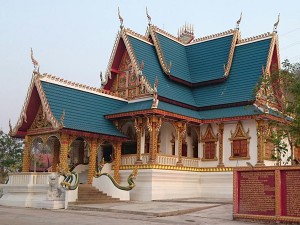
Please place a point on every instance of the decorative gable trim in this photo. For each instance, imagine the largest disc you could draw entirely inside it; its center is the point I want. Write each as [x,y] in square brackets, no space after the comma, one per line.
[254,39]
[212,37]
[81,87]
[274,43]
[111,59]
[231,53]
[35,81]
[161,58]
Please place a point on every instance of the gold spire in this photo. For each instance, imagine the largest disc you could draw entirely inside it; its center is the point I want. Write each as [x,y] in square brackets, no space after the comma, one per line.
[120,18]
[276,24]
[34,62]
[148,16]
[239,21]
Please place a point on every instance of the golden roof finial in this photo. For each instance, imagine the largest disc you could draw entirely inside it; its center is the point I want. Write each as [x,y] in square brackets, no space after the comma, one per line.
[34,62]
[101,78]
[276,24]
[239,21]
[148,16]
[120,18]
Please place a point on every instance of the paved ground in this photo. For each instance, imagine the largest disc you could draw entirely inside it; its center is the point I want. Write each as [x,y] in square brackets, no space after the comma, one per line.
[133,213]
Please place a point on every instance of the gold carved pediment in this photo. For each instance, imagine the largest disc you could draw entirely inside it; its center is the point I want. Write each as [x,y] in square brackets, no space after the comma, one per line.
[209,135]
[239,132]
[40,120]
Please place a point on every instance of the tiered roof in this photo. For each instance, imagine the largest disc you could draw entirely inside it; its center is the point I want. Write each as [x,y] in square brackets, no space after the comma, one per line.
[212,78]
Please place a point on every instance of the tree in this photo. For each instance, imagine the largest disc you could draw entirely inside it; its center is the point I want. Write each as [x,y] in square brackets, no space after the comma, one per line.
[283,88]
[11,155]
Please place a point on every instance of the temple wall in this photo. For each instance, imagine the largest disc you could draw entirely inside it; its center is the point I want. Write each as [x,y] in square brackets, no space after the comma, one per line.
[228,127]
[155,184]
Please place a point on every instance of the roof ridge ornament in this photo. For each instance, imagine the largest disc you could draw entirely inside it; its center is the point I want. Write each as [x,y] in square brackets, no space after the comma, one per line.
[120,18]
[155,96]
[186,33]
[148,16]
[35,63]
[238,22]
[101,78]
[276,24]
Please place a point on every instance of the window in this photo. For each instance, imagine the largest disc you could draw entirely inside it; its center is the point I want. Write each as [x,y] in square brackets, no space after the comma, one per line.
[240,143]
[209,140]
[209,150]
[240,148]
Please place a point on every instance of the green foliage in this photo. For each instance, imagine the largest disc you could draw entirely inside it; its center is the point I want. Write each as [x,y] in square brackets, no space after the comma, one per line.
[11,155]
[286,88]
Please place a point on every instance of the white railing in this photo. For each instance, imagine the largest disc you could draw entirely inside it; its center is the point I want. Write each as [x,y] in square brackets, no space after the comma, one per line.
[145,158]
[29,178]
[166,159]
[131,159]
[162,159]
[128,159]
[191,162]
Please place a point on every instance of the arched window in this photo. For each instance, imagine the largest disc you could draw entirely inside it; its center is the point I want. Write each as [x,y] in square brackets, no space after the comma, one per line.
[240,141]
[209,140]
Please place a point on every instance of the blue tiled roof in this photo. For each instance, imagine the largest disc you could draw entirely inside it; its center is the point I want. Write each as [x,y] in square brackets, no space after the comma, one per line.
[175,52]
[136,106]
[229,112]
[199,62]
[206,59]
[244,75]
[84,111]
[203,115]
[166,88]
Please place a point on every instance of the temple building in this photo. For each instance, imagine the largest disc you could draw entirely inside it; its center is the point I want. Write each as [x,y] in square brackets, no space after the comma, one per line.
[182,110]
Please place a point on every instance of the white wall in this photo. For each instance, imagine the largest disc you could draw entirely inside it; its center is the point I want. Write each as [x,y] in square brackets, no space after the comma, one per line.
[155,184]
[166,137]
[231,126]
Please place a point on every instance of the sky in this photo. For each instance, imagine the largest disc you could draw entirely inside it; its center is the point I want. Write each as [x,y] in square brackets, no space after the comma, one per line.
[73,39]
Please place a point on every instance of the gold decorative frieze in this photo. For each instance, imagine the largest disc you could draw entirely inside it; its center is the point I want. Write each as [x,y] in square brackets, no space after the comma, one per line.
[177,168]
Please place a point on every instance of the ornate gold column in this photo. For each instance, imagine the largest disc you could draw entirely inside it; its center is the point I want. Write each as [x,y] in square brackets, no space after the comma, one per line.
[153,125]
[55,155]
[92,160]
[139,128]
[260,130]
[221,133]
[117,162]
[180,129]
[64,147]
[26,154]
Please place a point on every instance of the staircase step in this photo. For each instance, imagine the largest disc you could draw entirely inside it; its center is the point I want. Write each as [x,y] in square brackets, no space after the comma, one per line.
[87,194]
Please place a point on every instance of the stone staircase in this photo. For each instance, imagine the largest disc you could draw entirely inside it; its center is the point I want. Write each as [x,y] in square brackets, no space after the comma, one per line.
[90,195]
